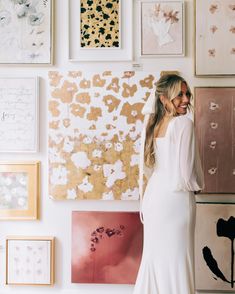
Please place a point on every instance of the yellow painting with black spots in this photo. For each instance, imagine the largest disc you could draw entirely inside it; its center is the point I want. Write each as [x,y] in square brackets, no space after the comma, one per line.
[100,25]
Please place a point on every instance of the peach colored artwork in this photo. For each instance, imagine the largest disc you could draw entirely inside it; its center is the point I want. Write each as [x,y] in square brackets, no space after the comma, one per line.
[106,247]
[95,122]
[162,28]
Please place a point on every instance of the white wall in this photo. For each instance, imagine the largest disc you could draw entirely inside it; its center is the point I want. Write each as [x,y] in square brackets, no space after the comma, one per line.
[55,217]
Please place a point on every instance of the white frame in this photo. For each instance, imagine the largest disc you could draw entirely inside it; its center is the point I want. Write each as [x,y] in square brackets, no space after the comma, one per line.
[182,54]
[36,115]
[51,56]
[122,53]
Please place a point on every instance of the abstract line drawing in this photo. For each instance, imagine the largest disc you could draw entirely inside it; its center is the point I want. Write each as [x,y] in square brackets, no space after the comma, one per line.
[26,31]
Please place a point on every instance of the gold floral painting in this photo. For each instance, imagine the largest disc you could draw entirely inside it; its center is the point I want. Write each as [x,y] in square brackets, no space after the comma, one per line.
[100,24]
[95,122]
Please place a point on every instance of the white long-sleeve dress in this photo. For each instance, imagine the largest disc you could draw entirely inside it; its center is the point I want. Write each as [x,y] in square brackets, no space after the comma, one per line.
[168,213]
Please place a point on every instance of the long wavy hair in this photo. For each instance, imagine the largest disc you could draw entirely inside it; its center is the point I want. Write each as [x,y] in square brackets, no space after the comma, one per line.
[169,86]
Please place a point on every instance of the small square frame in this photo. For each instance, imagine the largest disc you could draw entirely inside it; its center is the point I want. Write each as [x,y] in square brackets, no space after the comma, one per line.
[32,245]
[30,211]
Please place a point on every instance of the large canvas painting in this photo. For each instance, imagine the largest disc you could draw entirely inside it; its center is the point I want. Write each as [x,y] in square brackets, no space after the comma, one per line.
[106,247]
[162,28]
[26,31]
[214,27]
[214,247]
[215,127]
[95,122]
[100,24]
[19,114]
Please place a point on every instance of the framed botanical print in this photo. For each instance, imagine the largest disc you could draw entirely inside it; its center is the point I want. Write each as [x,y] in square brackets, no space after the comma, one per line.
[19,190]
[30,260]
[215,128]
[214,38]
[162,28]
[214,247]
[96,30]
[19,114]
[26,32]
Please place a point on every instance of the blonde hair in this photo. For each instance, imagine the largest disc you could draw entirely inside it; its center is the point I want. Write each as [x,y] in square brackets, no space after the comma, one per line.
[169,86]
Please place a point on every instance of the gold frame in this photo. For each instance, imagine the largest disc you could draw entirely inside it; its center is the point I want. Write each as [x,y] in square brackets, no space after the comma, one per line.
[32,168]
[52,257]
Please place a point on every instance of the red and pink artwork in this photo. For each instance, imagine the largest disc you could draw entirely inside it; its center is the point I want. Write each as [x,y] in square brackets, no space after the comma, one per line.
[106,247]
[215,127]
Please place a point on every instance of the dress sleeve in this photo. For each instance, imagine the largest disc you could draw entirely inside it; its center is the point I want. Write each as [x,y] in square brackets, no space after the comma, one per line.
[190,175]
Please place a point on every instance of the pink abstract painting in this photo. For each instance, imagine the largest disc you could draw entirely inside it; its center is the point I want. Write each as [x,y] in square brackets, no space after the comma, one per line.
[106,247]
[215,127]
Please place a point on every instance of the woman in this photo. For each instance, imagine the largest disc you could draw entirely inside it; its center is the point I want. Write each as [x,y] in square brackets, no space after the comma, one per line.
[172,165]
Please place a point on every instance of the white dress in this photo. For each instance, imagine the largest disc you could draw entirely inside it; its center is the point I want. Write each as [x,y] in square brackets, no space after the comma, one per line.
[168,210]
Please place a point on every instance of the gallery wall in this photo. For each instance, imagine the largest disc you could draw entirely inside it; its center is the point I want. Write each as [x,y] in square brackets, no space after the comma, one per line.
[56,215]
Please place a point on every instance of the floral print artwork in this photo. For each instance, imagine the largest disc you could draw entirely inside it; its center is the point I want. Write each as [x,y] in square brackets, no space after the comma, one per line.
[95,122]
[25,31]
[29,262]
[106,247]
[215,21]
[215,127]
[13,190]
[161,28]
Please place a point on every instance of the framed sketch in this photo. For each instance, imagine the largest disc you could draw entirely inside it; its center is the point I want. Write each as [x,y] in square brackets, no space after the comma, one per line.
[19,108]
[26,32]
[19,190]
[214,21]
[162,28]
[95,30]
[30,260]
[215,128]
[106,247]
[214,247]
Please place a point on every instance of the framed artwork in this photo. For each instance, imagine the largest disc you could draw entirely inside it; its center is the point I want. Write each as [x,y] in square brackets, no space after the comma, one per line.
[214,247]
[95,124]
[106,247]
[19,190]
[162,28]
[30,260]
[19,109]
[214,21]
[215,128]
[26,29]
[100,24]
[95,30]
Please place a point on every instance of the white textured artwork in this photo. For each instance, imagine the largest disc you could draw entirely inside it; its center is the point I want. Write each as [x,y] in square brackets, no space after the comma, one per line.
[162,28]
[95,122]
[215,33]
[18,114]
[13,190]
[25,31]
[29,262]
